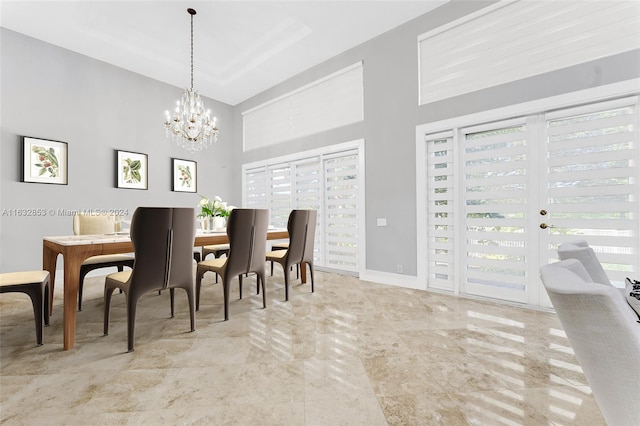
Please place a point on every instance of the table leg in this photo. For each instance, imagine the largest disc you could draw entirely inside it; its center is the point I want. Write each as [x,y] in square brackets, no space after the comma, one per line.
[71,275]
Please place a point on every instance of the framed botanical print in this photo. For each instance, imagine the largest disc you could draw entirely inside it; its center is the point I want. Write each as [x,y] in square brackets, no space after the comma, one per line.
[185,175]
[44,161]
[131,170]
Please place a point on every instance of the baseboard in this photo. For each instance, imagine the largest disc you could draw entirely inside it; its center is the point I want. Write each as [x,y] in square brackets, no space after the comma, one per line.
[398,280]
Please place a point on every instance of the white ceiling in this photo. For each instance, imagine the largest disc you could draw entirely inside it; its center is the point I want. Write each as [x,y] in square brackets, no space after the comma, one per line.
[241,47]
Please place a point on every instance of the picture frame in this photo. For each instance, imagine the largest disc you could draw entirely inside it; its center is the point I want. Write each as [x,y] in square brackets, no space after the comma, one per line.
[44,161]
[131,170]
[184,175]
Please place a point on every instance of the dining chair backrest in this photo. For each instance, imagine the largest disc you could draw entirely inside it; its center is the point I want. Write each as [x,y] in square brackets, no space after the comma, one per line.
[302,229]
[310,236]
[184,233]
[162,239]
[247,232]
[88,224]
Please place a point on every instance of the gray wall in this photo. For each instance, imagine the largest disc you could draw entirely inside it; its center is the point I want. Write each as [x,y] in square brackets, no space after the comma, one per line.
[53,93]
[392,114]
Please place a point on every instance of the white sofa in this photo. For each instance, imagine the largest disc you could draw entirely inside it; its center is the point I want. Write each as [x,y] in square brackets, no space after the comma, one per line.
[580,250]
[605,335]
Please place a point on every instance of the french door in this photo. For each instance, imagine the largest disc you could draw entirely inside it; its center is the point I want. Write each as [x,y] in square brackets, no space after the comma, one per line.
[592,189]
[496,187]
[502,196]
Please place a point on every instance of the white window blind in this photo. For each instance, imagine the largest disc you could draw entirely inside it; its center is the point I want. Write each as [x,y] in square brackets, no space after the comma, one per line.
[308,185]
[592,184]
[279,194]
[308,194]
[440,211]
[269,125]
[341,211]
[495,185]
[256,189]
[325,104]
[512,41]
[327,182]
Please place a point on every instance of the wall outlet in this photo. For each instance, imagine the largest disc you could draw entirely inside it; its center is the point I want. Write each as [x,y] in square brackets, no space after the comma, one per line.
[399,268]
[382,221]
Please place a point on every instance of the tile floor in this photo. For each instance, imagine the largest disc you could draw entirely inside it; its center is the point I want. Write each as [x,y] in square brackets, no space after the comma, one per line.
[352,353]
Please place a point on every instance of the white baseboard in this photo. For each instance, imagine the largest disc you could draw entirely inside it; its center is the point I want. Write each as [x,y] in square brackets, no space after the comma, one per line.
[398,280]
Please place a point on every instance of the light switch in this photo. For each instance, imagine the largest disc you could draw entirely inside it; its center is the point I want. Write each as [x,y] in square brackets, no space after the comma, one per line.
[382,221]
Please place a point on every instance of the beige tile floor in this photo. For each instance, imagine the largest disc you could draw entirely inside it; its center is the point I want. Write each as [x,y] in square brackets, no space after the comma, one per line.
[352,353]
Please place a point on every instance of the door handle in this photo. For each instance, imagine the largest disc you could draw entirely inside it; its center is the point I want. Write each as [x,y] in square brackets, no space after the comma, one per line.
[545,226]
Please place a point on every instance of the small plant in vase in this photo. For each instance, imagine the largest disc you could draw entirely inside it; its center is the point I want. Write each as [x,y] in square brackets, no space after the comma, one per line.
[213,212]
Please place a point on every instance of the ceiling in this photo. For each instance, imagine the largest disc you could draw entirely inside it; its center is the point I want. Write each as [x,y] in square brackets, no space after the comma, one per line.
[241,47]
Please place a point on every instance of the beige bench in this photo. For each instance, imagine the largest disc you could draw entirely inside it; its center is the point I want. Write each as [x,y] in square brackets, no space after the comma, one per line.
[36,285]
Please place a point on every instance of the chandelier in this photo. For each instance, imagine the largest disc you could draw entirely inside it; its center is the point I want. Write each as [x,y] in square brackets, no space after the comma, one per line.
[191,127]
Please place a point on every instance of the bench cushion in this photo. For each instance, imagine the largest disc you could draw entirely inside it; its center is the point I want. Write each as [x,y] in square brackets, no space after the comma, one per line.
[25,277]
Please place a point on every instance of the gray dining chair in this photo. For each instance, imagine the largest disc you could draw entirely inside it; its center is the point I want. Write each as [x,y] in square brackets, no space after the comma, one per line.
[284,245]
[163,239]
[84,224]
[302,228]
[247,232]
[216,250]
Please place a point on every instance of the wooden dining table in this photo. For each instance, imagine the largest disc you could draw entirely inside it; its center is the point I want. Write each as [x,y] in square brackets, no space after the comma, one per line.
[75,249]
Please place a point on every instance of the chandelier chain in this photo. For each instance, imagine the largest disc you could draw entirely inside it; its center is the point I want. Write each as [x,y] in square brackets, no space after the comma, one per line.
[191,52]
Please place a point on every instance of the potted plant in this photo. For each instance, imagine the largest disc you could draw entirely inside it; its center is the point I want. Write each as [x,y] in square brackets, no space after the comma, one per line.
[213,212]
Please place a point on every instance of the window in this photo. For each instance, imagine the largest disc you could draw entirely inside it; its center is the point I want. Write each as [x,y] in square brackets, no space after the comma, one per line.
[441,213]
[329,181]
[495,175]
[515,40]
[325,104]
[499,197]
[592,182]
[341,210]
